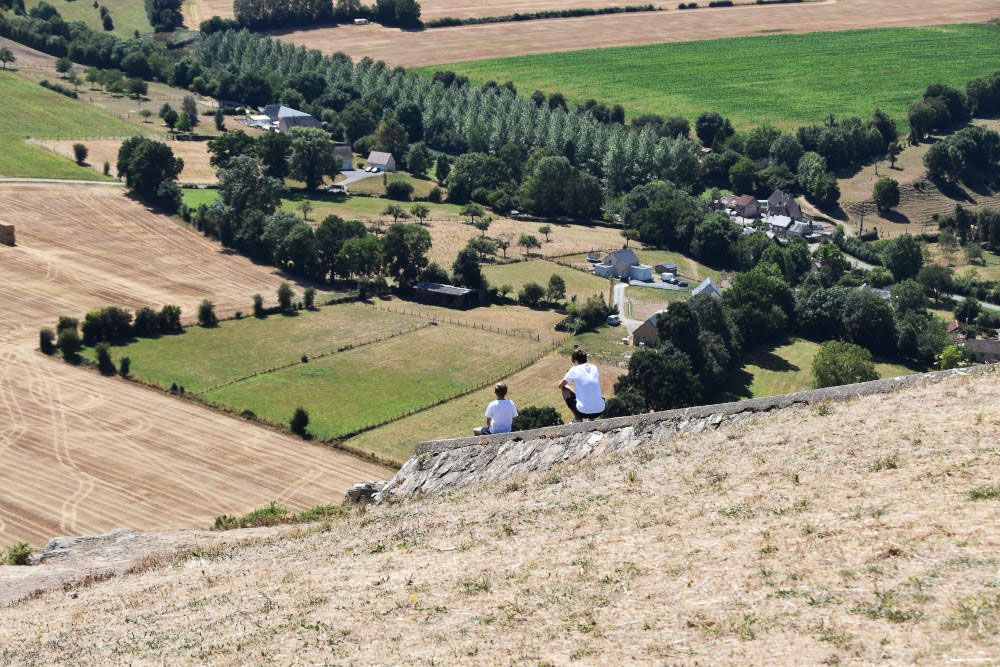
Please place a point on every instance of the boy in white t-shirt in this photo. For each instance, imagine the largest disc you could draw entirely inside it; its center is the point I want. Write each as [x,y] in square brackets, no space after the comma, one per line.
[584,400]
[499,413]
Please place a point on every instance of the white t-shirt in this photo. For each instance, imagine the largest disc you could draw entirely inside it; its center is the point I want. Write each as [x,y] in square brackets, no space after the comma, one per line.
[587,387]
[502,412]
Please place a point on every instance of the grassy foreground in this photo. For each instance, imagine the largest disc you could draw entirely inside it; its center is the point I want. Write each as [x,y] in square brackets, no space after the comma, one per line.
[786,80]
[37,112]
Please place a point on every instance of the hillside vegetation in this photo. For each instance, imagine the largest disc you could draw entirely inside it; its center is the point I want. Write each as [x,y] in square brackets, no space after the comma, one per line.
[851,532]
[785,80]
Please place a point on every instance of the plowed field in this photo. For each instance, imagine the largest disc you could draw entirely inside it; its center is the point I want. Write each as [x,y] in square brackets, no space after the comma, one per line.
[83,454]
[445,45]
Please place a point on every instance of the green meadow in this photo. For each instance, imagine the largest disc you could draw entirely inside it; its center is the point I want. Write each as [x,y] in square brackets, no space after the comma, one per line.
[787,80]
[42,113]
[127,15]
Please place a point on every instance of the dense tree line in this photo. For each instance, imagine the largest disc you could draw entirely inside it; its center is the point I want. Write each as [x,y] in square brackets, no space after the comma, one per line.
[269,14]
[164,15]
[965,154]
[982,227]
[44,29]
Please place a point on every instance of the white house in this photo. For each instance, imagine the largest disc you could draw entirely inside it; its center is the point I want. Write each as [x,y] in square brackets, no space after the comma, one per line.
[624,265]
[382,161]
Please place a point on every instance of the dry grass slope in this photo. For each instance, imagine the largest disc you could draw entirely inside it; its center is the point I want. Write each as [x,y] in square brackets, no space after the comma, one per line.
[857,532]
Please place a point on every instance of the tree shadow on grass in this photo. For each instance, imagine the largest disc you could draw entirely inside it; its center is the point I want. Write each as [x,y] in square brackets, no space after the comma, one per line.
[740,381]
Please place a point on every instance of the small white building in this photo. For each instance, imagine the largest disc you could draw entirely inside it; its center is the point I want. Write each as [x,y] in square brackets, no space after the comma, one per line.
[382,161]
[643,272]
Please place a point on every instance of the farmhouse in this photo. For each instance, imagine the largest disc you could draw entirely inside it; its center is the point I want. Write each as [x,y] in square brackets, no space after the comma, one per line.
[346,155]
[707,287]
[382,161]
[283,118]
[646,333]
[983,350]
[7,235]
[445,295]
[782,203]
[624,264]
[744,206]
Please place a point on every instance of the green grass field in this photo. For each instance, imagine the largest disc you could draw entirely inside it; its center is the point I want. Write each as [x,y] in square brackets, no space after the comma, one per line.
[578,283]
[127,15]
[38,112]
[787,80]
[200,358]
[787,368]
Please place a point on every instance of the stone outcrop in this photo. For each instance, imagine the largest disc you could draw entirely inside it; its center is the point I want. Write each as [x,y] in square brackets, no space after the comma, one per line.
[438,466]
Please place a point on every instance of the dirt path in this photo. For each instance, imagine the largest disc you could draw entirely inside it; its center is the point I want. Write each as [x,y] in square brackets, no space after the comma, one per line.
[85,454]
[448,45]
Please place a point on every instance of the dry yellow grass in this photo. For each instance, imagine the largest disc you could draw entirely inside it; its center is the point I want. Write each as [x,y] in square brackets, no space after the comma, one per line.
[807,536]
[194,153]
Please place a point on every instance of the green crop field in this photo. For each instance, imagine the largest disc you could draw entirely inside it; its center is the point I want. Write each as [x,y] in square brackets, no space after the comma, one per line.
[578,283]
[127,15]
[787,368]
[38,112]
[787,80]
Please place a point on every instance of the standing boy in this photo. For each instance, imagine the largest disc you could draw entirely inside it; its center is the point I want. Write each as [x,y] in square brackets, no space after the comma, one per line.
[585,398]
[499,414]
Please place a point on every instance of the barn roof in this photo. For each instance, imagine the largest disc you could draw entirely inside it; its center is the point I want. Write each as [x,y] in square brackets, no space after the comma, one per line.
[438,288]
[379,157]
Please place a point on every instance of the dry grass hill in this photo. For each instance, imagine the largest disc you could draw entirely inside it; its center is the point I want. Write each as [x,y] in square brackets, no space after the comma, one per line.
[854,532]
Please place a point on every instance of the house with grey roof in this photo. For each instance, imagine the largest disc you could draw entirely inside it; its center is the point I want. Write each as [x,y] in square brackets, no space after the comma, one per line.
[284,119]
[646,334]
[706,287]
[382,161]
[624,264]
[449,296]
[744,206]
[782,203]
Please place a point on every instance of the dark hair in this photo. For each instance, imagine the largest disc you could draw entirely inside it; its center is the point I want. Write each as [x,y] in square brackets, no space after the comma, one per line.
[579,356]
[500,389]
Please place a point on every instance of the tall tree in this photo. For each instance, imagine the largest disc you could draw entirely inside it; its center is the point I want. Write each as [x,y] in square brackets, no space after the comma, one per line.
[312,156]
[404,250]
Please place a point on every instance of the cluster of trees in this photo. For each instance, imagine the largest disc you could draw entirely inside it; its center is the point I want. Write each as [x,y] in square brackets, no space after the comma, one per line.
[965,154]
[108,325]
[164,15]
[268,14]
[449,21]
[44,29]
[306,154]
[150,171]
[941,107]
[982,227]
[984,95]
[115,81]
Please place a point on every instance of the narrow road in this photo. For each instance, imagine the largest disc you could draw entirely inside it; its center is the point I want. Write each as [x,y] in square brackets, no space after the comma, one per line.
[620,301]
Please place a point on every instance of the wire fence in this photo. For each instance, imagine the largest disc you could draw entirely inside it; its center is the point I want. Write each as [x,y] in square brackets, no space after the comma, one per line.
[457,322]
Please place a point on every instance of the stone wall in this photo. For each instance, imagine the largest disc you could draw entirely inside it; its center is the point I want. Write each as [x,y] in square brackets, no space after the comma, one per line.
[441,465]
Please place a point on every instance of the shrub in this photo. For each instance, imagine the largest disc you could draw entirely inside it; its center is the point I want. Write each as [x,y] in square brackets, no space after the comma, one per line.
[107,168]
[838,363]
[535,417]
[80,153]
[18,554]
[531,294]
[47,341]
[880,276]
[258,305]
[206,314]
[886,194]
[170,319]
[299,422]
[66,323]
[309,298]
[435,195]
[70,344]
[399,190]
[107,324]
[285,297]
[104,361]
[124,366]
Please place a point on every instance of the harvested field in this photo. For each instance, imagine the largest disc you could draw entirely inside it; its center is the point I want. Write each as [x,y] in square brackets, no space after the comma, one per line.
[85,454]
[443,45]
[195,154]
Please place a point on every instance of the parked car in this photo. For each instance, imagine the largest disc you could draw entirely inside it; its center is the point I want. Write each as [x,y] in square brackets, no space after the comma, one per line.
[680,283]
[614,319]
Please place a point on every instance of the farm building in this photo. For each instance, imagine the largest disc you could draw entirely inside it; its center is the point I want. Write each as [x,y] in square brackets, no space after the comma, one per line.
[383,161]
[706,287]
[646,333]
[744,206]
[283,118]
[983,350]
[445,295]
[666,268]
[343,151]
[782,203]
[7,235]
[624,264]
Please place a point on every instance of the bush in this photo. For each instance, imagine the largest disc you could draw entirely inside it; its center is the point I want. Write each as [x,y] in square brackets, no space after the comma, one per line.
[880,276]
[309,298]
[206,314]
[436,195]
[531,294]
[838,363]
[258,305]
[886,194]
[535,417]
[399,190]
[80,153]
[124,366]
[18,553]
[66,323]
[285,297]
[104,362]
[47,341]
[70,344]
[299,422]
